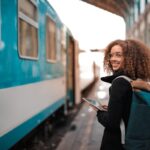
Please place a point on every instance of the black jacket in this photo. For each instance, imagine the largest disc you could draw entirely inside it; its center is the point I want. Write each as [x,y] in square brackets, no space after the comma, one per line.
[120,94]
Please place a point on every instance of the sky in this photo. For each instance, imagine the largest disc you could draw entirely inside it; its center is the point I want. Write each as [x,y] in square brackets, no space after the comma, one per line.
[92,27]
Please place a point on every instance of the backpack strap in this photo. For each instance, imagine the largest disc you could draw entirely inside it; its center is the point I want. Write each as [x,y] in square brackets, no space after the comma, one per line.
[125,77]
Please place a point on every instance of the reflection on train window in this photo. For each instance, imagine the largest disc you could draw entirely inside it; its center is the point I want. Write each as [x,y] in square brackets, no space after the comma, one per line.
[50,40]
[28,8]
[28,29]
[28,40]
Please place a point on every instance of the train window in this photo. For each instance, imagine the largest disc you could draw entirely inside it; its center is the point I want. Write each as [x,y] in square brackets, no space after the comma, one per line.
[63,46]
[28,29]
[50,40]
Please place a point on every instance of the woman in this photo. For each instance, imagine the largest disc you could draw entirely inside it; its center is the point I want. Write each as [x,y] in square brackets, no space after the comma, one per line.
[130,58]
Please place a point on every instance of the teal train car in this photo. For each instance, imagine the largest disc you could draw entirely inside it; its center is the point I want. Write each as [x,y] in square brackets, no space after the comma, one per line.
[38,57]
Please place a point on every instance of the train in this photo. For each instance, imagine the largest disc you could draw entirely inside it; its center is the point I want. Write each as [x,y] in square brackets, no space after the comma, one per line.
[39,68]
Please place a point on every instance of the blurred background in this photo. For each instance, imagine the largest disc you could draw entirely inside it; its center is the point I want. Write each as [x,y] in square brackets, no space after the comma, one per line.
[93,27]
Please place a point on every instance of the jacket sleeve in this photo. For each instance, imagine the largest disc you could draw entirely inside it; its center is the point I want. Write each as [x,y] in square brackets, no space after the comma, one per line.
[119,91]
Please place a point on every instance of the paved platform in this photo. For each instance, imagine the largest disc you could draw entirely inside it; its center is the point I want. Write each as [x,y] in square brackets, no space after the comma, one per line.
[88,132]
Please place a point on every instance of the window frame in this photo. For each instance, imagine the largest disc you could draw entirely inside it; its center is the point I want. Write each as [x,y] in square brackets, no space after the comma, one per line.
[55,25]
[32,23]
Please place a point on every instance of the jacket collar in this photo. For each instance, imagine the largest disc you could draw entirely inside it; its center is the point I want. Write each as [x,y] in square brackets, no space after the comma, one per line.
[110,78]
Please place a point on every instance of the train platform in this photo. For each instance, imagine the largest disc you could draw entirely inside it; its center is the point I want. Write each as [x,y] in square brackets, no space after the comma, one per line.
[87,133]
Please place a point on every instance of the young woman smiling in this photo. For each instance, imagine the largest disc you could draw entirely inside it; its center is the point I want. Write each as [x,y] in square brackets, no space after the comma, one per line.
[122,57]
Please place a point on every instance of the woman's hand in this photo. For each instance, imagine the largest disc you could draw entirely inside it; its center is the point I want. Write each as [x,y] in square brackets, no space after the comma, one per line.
[140,85]
[105,107]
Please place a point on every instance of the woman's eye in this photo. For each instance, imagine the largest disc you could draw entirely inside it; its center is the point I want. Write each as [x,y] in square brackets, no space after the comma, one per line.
[116,54]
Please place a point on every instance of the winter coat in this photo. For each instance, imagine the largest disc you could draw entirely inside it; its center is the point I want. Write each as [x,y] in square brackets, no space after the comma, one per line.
[119,104]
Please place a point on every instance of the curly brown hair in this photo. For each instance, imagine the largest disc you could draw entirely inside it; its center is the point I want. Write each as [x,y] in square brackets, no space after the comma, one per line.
[136,58]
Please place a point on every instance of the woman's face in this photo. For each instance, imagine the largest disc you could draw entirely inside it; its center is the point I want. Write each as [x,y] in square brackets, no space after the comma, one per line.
[116,58]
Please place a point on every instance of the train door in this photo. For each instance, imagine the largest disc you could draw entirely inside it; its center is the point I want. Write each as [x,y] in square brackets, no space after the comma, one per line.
[70,72]
[76,73]
[73,85]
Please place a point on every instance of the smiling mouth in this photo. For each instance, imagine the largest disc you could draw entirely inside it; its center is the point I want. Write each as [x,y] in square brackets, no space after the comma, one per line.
[115,64]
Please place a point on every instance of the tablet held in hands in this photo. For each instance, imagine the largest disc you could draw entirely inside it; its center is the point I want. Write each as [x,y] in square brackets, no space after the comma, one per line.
[95,104]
